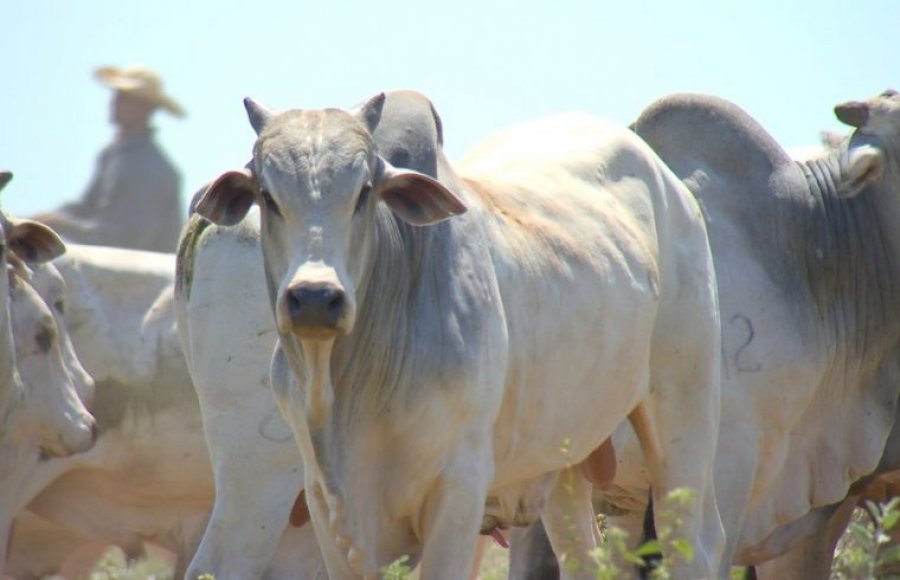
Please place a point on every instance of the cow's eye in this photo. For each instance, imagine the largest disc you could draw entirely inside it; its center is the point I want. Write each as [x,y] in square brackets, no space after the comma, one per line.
[269,202]
[60,306]
[363,196]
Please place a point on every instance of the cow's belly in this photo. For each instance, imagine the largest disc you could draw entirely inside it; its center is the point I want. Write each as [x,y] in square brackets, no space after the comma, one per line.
[146,479]
[573,379]
[772,364]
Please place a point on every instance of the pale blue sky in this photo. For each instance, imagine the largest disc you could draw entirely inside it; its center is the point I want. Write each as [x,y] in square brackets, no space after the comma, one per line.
[483,64]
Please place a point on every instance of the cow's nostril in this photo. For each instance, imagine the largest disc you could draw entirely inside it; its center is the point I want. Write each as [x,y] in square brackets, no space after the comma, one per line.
[295,302]
[316,305]
[336,304]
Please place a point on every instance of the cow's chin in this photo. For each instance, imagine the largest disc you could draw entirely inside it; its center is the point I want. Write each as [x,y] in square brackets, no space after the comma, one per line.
[317,333]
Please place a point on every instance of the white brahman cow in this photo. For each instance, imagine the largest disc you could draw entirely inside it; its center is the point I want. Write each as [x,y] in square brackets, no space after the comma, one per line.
[246,435]
[452,372]
[228,337]
[147,479]
[11,389]
[49,419]
[39,408]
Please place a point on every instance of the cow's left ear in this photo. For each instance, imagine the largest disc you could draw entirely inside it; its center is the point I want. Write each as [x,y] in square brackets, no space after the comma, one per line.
[416,198]
[34,242]
[228,198]
[864,165]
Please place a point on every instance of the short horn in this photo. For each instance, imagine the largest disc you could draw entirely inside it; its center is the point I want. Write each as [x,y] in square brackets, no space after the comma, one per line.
[370,112]
[258,114]
[5,177]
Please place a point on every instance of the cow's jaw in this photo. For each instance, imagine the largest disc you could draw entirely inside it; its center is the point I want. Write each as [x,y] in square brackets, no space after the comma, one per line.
[319,389]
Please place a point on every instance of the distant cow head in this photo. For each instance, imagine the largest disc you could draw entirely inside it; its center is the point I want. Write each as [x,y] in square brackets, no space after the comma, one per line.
[51,287]
[10,384]
[52,416]
[875,145]
[319,183]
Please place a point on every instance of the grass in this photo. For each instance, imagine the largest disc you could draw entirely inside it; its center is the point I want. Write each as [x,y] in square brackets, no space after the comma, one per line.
[866,551]
[113,566]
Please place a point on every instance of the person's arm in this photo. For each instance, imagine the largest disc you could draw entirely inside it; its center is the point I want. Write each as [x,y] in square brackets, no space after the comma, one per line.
[136,215]
[84,207]
[74,220]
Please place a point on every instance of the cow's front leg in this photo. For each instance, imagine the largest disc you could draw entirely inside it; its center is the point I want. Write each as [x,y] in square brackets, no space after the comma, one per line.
[682,457]
[247,519]
[291,403]
[453,513]
[571,525]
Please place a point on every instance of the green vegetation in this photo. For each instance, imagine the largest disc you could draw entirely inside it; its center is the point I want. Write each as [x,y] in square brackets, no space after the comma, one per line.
[113,566]
[613,555]
[866,551]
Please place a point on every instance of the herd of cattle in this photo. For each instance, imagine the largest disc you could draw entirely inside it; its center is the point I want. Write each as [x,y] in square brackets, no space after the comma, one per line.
[362,351]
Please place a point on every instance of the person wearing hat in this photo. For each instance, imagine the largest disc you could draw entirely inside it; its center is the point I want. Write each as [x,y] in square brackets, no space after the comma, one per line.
[133,199]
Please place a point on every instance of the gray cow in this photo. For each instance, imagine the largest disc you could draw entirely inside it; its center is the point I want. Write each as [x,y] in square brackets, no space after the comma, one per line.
[229,344]
[807,256]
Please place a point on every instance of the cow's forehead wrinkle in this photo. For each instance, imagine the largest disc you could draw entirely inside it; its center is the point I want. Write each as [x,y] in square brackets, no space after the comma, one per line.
[293,169]
[331,128]
[308,151]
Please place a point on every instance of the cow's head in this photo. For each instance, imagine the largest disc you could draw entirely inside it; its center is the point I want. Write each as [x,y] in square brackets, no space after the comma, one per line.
[50,285]
[875,145]
[21,241]
[321,188]
[53,416]
[10,384]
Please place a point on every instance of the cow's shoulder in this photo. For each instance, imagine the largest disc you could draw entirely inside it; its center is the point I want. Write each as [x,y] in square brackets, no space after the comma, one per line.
[198,235]
[187,245]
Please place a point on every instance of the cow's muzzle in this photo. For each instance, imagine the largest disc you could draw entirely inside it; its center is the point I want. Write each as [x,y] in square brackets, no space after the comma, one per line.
[315,307]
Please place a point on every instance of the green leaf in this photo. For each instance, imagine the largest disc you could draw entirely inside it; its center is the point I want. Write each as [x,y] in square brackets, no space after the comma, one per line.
[649,548]
[684,548]
[634,559]
[890,519]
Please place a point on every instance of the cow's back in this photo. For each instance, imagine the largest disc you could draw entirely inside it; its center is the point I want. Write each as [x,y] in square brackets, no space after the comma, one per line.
[580,214]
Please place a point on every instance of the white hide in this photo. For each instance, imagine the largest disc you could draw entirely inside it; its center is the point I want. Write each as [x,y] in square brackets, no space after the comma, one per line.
[229,336]
[148,477]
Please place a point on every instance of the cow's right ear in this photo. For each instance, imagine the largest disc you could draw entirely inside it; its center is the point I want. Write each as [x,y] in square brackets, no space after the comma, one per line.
[228,198]
[34,242]
[853,113]
[416,198]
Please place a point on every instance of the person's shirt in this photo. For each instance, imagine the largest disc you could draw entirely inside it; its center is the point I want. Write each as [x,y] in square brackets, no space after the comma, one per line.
[133,200]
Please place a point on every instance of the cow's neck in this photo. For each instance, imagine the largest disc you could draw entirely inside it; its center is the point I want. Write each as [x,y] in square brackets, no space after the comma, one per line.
[852,265]
[367,367]
[369,362]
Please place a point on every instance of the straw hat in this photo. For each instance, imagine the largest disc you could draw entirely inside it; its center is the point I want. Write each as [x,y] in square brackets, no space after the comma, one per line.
[141,82]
